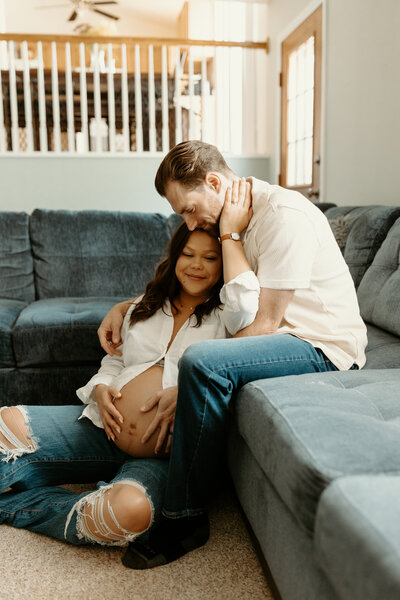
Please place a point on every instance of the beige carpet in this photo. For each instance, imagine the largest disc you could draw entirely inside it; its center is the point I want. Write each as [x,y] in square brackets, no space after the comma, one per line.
[34,567]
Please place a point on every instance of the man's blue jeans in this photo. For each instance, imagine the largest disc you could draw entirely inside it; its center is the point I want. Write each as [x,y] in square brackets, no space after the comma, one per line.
[68,450]
[210,373]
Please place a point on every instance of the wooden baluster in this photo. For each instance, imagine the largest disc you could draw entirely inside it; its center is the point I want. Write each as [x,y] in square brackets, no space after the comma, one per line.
[111,98]
[165,100]
[125,100]
[192,133]
[177,98]
[138,101]
[42,100]
[13,98]
[152,103]
[204,101]
[55,97]
[83,97]
[219,101]
[97,97]
[69,98]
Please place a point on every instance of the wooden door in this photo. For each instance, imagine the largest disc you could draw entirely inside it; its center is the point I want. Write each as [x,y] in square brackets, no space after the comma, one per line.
[300,81]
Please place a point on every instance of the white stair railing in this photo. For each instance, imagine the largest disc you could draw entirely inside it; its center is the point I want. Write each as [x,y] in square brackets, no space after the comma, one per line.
[130,95]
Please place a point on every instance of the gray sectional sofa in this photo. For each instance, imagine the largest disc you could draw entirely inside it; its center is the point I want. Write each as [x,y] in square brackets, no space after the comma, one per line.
[315,459]
[60,273]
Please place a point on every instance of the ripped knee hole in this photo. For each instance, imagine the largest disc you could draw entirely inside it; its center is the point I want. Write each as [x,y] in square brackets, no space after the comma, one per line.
[15,436]
[99,515]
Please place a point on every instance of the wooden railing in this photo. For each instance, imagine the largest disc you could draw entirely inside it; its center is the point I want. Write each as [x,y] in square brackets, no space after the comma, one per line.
[82,94]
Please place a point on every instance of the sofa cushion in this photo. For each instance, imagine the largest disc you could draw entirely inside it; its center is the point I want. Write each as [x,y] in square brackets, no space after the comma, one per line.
[383,350]
[357,537]
[360,232]
[379,291]
[16,265]
[95,253]
[60,331]
[307,430]
[43,385]
[9,311]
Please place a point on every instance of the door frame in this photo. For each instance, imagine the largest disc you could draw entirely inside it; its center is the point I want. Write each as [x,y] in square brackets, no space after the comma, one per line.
[294,24]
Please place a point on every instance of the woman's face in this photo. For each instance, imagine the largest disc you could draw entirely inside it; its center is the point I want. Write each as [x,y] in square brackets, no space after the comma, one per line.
[198,268]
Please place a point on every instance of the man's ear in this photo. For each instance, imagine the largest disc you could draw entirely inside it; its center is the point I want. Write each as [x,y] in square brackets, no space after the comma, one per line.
[213,181]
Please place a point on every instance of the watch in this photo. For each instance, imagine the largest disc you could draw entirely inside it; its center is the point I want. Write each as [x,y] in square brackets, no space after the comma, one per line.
[230,236]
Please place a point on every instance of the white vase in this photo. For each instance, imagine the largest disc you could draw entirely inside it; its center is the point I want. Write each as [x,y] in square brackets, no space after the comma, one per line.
[98,61]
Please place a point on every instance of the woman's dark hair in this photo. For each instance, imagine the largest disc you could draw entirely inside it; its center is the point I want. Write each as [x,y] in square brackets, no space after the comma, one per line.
[165,285]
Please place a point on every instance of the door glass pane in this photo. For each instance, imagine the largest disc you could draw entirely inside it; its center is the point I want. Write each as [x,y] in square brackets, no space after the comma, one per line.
[291,172]
[308,113]
[291,120]
[300,162]
[300,115]
[292,77]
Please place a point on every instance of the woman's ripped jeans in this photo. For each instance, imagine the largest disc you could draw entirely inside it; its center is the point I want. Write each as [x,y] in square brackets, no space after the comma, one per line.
[42,447]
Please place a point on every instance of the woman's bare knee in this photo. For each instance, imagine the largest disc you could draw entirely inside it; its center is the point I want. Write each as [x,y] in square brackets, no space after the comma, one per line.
[118,514]
[14,420]
[131,507]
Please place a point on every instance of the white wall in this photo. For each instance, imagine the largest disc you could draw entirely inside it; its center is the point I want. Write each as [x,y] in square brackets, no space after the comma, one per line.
[102,183]
[362,129]
[361,96]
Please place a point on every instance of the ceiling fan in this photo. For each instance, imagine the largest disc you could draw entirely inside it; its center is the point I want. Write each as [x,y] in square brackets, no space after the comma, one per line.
[81,6]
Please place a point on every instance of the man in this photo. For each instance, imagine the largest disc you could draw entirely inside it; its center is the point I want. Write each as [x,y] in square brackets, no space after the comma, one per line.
[308,320]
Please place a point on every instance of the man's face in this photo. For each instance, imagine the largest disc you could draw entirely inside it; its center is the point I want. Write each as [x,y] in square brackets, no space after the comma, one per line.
[200,207]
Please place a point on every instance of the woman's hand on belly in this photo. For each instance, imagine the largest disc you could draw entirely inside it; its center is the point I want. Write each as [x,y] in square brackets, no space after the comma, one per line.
[141,391]
[165,401]
[110,416]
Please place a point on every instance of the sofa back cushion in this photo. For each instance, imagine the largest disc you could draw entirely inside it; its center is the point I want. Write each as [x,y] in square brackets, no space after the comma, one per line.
[16,266]
[379,290]
[96,253]
[360,231]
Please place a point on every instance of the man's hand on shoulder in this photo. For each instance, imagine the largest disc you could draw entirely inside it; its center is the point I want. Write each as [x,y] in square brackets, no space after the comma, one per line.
[109,331]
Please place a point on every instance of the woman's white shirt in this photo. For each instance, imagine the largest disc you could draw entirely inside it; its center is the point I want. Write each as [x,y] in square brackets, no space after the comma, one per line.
[146,342]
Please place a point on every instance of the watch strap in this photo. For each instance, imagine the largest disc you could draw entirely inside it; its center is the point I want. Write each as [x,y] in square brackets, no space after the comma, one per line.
[229,236]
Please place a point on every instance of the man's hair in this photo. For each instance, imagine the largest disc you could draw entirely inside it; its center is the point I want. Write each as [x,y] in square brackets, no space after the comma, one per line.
[165,285]
[189,163]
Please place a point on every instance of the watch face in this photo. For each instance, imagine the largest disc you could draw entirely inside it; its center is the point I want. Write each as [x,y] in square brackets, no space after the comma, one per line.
[235,236]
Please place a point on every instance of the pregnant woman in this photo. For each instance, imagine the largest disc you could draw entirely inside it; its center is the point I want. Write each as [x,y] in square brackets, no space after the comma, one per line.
[46,446]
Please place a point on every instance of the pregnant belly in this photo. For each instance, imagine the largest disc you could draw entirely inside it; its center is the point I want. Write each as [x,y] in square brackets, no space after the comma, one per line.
[134,395]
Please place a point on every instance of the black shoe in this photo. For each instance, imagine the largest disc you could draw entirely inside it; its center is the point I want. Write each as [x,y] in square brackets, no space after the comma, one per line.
[170,540]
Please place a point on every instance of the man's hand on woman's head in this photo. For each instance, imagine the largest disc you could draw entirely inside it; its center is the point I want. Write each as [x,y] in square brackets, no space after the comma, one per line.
[110,416]
[109,331]
[237,210]
[165,400]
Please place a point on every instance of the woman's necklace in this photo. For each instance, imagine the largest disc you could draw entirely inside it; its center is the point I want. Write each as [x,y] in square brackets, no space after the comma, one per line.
[187,307]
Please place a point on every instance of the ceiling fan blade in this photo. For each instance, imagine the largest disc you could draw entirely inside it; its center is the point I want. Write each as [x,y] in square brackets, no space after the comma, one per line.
[43,6]
[73,16]
[101,12]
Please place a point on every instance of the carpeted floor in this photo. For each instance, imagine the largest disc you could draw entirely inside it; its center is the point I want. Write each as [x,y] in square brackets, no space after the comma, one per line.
[34,567]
